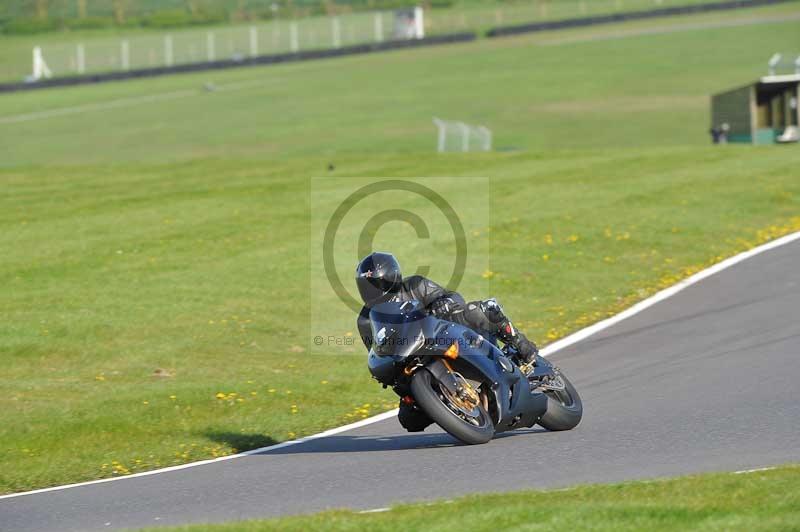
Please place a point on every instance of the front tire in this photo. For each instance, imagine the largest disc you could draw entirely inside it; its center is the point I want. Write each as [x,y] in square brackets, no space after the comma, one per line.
[564,408]
[433,403]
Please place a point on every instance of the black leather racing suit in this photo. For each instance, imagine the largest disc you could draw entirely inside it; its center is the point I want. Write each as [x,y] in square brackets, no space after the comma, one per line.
[484,316]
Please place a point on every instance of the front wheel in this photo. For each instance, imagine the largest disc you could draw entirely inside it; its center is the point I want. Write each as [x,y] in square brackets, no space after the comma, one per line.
[471,427]
[564,407]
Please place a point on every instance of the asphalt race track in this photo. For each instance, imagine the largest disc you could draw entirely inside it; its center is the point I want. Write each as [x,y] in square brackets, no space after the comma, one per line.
[704,381]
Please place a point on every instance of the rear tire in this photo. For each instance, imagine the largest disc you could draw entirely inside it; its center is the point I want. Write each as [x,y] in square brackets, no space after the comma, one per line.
[428,399]
[564,409]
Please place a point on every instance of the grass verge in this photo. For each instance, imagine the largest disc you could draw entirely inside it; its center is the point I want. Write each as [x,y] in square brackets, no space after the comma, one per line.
[760,500]
[161,316]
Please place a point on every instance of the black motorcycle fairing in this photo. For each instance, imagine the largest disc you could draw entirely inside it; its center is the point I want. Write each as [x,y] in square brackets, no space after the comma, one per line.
[403,329]
[515,403]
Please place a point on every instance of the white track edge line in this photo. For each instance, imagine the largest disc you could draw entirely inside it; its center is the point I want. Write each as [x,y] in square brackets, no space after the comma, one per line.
[548,350]
[756,470]
[666,293]
[331,432]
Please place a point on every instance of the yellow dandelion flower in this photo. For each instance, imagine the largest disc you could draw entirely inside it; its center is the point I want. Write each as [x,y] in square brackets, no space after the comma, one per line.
[488,274]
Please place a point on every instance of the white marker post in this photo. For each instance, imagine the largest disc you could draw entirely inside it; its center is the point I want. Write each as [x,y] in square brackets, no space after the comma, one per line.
[336,32]
[419,23]
[210,46]
[378,27]
[253,41]
[294,44]
[124,54]
[80,58]
[168,50]
[40,69]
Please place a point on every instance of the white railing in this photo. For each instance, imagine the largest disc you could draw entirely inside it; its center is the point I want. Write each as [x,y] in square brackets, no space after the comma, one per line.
[230,42]
[459,136]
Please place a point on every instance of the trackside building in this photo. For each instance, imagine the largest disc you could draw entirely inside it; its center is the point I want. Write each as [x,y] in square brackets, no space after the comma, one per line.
[759,113]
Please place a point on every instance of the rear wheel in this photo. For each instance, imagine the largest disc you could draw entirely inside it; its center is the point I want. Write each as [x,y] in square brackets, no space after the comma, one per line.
[564,406]
[472,426]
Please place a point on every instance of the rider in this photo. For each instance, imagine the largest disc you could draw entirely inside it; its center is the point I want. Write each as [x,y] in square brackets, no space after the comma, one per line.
[379,280]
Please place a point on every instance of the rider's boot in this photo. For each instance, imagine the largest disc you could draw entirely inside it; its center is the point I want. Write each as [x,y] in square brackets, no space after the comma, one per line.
[508,333]
[411,417]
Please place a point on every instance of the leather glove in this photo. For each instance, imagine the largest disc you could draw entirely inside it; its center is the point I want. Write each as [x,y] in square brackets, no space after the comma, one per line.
[445,306]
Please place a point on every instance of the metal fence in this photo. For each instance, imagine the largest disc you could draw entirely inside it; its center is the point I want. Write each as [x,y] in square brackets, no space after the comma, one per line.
[65,54]
[232,42]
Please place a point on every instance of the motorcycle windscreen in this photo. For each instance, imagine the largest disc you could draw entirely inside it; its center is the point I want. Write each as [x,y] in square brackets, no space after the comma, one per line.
[397,328]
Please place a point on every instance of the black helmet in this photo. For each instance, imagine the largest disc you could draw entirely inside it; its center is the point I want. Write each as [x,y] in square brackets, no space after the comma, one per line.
[378,278]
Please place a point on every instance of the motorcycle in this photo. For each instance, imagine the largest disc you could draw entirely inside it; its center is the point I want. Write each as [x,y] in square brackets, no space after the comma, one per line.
[462,381]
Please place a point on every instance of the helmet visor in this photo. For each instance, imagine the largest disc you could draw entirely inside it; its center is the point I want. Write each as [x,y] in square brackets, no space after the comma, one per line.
[375,290]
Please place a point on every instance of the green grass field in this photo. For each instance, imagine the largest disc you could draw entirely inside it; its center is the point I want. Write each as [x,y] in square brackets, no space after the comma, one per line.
[155,259]
[761,500]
